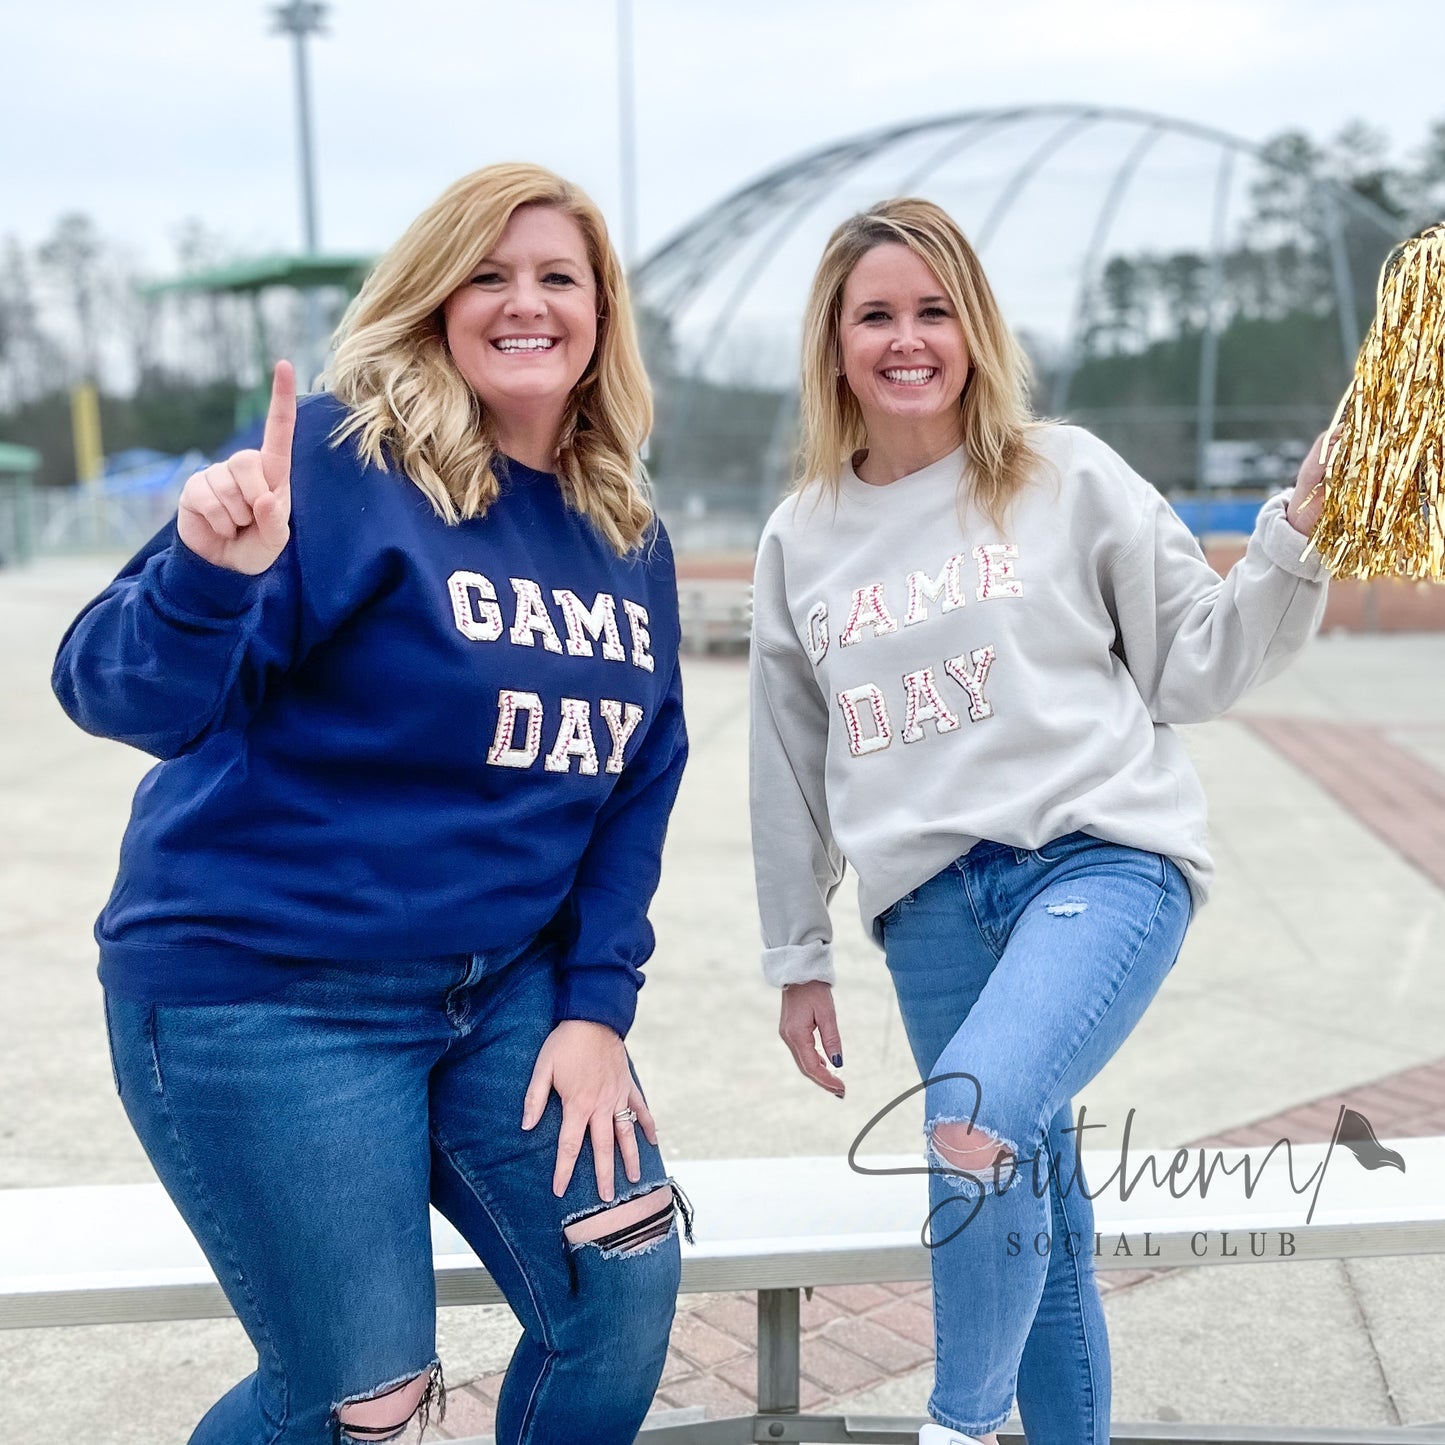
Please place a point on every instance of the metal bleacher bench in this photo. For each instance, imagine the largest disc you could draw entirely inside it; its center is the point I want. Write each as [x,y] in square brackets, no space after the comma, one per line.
[117,1253]
[715,613]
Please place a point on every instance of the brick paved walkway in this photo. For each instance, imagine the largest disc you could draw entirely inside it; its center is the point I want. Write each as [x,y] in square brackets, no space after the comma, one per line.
[858,1336]
[1393,792]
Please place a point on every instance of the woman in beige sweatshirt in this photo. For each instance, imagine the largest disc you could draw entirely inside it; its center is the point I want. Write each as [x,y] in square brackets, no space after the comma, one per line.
[972,634]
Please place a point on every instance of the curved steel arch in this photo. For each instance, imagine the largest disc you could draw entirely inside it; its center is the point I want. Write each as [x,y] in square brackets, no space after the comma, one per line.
[772,205]
[1098,238]
[681,264]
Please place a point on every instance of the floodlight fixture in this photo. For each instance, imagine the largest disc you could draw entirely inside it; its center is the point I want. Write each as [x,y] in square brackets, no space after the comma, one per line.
[298,19]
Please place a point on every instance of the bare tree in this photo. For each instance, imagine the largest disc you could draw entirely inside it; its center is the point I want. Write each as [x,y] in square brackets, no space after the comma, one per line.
[1122,311]
[214,326]
[1182,283]
[72,256]
[31,362]
[1358,157]
[1425,186]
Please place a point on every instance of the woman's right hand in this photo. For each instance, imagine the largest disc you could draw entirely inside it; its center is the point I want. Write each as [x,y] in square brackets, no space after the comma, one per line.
[1307,501]
[237,513]
[808,1011]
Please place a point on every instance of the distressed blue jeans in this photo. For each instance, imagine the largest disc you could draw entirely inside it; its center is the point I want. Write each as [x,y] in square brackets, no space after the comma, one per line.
[1019,973]
[302,1135]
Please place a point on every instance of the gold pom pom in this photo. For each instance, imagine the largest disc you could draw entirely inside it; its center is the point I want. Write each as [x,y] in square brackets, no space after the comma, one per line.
[1385,471]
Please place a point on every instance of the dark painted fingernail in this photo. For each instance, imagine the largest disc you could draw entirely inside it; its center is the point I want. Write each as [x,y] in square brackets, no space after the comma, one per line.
[837,1061]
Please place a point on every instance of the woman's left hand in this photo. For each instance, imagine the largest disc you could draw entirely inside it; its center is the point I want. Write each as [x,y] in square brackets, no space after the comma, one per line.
[586,1063]
[1308,497]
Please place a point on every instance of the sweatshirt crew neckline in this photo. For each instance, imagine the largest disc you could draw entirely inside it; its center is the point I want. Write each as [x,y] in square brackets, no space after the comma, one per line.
[948,468]
[515,471]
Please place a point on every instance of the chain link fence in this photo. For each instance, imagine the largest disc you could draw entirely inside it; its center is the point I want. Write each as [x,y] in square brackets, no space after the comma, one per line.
[60,521]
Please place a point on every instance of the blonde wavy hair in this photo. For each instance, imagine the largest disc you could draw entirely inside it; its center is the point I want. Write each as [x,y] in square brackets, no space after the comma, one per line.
[995,407]
[410,406]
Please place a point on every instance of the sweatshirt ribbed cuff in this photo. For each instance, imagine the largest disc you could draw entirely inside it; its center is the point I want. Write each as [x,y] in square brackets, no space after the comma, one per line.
[600,996]
[798,963]
[1283,545]
[201,588]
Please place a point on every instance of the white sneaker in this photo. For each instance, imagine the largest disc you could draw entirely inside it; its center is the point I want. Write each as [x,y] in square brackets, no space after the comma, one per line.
[932,1434]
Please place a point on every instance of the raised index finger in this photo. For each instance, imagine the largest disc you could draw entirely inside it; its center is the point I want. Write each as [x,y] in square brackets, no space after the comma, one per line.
[280,427]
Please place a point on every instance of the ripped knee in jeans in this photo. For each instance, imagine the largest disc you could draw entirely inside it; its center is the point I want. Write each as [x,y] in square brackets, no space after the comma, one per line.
[960,1148]
[626,1227]
[629,1227]
[384,1413]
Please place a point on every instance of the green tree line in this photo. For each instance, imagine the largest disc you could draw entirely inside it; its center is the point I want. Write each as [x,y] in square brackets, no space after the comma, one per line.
[1289,298]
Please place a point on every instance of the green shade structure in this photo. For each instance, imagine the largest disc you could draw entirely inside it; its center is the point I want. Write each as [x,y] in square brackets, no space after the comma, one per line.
[18,461]
[252,277]
[300,273]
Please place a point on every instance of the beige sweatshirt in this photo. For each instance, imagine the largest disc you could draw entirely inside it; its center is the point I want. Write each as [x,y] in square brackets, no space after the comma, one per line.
[922,680]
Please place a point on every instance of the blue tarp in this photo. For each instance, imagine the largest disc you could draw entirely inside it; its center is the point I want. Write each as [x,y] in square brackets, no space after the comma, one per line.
[1226,514]
[142,470]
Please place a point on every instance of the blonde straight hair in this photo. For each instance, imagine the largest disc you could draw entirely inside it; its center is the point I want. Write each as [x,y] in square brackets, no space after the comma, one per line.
[411,407]
[995,407]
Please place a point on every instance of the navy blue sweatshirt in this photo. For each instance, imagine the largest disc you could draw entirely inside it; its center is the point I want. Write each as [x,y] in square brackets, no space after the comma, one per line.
[403,740]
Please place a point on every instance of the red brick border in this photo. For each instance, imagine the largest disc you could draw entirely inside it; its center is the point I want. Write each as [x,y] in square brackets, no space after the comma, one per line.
[1393,792]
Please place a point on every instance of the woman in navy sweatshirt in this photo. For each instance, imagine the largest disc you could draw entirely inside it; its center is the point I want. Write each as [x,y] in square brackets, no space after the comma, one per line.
[411,673]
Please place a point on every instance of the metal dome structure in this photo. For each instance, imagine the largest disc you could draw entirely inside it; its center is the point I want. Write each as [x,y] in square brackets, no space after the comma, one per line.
[1052,197]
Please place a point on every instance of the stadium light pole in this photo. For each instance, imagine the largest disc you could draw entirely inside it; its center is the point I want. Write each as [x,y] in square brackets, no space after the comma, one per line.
[626,132]
[298,19]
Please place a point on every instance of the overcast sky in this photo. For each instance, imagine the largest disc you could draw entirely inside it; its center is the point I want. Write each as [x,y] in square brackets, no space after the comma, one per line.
[152,111]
